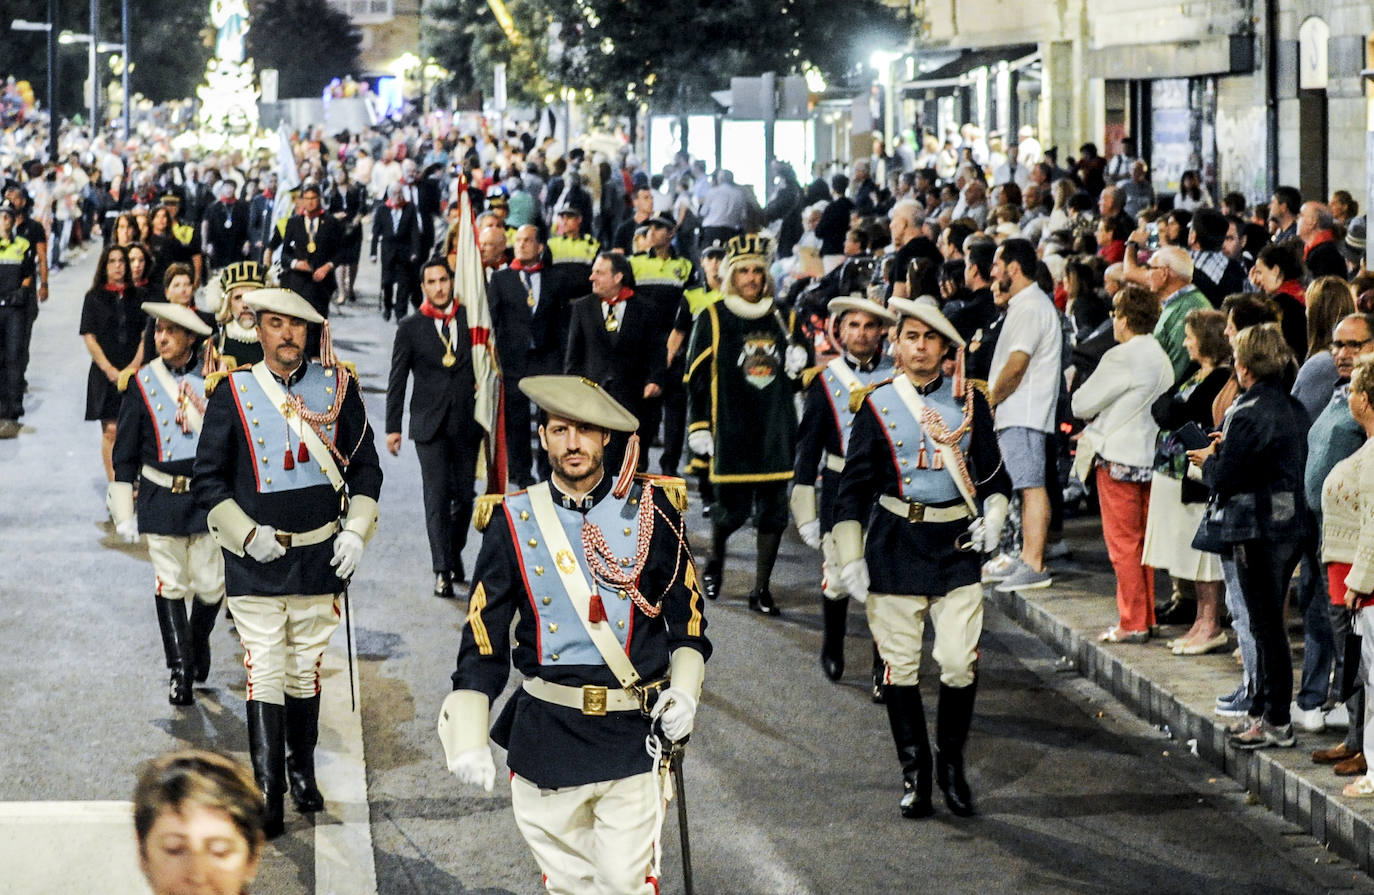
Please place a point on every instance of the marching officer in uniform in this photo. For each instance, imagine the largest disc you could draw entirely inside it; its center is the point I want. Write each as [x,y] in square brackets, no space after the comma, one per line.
[435,348]
[822,438]
[237,342]
[16,279]
[159,429]
[922,460]
[288,471]
[609,636]
[743,369]
[571,254]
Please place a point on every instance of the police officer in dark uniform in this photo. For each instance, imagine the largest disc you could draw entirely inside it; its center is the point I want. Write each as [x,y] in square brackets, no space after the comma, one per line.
[822,438]
[661,277]
[16,281]
[159,428]
[288,471]
[609,633]
[924,470]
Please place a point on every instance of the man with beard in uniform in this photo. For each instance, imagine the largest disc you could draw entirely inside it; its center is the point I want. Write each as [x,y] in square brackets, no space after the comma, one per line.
[921,460]
[237,342]
[155,447]
[288,472]
[743,369]
[822,438]
[609,637]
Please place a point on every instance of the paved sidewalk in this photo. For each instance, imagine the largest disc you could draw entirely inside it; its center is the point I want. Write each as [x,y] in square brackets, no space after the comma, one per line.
[1178,693]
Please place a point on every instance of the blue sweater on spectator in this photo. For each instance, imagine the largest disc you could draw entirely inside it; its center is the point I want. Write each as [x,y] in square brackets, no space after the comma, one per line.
[1334,436]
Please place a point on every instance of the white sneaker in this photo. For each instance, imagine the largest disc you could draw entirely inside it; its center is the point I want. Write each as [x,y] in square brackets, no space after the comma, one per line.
[1338,716]
[1307,720]
[999,568]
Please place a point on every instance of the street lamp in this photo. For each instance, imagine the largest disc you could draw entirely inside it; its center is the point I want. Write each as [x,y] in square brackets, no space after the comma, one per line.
[882,61]
[48,27]
[66,38]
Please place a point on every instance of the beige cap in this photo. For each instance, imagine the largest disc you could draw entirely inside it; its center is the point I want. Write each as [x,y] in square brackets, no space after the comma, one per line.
[927,314]
[578,399]
[282,301]
[182,316]
[845,303]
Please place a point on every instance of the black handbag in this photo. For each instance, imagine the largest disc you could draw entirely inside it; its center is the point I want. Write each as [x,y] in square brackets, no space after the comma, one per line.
[1207,538]
[1350,671]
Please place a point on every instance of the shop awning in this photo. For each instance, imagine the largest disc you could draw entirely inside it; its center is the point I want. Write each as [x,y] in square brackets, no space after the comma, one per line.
[955,74]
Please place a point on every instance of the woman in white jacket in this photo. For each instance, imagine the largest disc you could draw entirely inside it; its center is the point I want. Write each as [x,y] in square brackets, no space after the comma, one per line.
[1121,434]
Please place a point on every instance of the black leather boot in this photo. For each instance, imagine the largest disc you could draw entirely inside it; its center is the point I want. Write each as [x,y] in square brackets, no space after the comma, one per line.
[879,675]
[714,570]
[907,717]
[761,598]
[954,716]
[835,615]
[302,733]
[176,644]
[202,623]
[267,750]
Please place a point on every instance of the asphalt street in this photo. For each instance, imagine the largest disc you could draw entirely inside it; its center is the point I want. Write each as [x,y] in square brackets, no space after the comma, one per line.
[792,781]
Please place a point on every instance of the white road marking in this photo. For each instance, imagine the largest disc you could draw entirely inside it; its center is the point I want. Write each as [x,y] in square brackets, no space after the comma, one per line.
[70,847]
[343,831]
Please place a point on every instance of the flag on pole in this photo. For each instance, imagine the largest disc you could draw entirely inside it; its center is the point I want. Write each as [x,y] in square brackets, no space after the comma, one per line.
[470,285]
[288,175]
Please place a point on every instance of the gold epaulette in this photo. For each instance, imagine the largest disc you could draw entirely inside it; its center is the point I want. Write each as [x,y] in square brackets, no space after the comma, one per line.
[351,367]
[809,375]
[858,396]
[673,488]
[214,378]
[979,384]
[482,509]
[124,377]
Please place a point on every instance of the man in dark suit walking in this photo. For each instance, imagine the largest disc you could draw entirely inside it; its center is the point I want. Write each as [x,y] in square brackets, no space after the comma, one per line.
[422,192]
[225,228]
[309,252]
[528,319]
[396,227]
[434,347]
[615,341]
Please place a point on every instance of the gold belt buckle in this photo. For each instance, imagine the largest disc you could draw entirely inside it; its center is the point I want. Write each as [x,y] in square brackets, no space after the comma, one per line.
[181,484]
[593,700]
[915,512]
[283,538]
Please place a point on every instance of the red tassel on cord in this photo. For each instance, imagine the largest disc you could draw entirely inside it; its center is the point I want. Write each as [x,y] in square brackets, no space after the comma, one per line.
[288,462]
[596,611]
[302,455]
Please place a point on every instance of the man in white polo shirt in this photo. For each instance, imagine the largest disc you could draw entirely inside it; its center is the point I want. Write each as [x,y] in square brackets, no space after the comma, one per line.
[1023,389]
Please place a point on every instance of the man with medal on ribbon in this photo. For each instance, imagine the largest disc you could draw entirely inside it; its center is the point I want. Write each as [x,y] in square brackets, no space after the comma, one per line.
[923,470]
[155,447]
[859,325]
[609,637]
[529,314]
[310,249]
[288,472]
[434,347]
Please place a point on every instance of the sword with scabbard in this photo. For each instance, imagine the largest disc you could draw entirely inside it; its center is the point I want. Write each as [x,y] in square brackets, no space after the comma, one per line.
[673,755]
[348,636]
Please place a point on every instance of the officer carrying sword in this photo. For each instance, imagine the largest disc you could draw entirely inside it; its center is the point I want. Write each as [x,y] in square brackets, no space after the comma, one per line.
[609,636]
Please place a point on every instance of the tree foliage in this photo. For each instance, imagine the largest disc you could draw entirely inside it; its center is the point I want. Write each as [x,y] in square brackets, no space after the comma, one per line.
[308,42]
[672,56]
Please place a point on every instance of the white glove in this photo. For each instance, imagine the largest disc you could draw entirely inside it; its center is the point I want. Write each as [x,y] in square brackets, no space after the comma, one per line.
[263,545]
[855,578]
[128,529]
[811,533]
[795,360]
[676,712]
[986,530]
[348,549]
[701,443]
[474,766]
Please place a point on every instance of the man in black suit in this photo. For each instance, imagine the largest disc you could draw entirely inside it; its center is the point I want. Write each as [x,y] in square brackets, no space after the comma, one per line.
[615,341]
[423,194]
[834,222]
[396,227]
[225,228]
[434,347]
[309,252]
[528,319]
